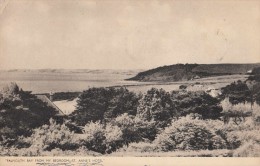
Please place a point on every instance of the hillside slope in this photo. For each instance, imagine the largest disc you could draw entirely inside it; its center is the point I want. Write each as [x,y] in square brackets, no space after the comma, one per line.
[184,72]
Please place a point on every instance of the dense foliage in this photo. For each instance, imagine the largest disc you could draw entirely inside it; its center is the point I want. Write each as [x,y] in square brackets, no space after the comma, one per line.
[157,105]
[198,102]
[254,78]
[65,96]
[247,91]
[103,104]
[136,129]
[253,83]
[256,71]
[116,121]
[101,138]
[20,112]
[189,134]
[237,92]
[176,72]
[51,136]
[181,72]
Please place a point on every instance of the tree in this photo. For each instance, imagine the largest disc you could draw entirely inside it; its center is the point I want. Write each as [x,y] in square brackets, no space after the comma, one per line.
[104,104]
[91,106]
[197,102]
[157,105]
[237,92]
[20,112]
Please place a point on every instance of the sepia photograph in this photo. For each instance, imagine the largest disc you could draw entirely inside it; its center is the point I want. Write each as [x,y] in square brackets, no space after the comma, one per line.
[130,78]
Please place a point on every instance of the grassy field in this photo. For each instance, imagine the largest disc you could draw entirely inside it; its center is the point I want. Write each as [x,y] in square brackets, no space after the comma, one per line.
[204,84]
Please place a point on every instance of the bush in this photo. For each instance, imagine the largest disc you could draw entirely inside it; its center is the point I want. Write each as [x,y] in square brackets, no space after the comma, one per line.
[248,149]
[188,134]
[93,137]
[147,129]
[239,111]
[100,138]
[256,114]
[135,129]
[52,136]
[233,140]
[235,135]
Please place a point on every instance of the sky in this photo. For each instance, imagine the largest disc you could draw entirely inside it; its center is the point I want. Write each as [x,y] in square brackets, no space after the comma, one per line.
[130,34]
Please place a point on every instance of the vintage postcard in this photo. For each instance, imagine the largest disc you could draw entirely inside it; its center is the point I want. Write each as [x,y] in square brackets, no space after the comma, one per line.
[129,82]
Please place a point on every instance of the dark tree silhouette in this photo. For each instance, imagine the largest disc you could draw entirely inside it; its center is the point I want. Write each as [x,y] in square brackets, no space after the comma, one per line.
[103,104]
[197,103]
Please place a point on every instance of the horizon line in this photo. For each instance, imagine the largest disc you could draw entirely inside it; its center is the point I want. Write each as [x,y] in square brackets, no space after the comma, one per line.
[121,68]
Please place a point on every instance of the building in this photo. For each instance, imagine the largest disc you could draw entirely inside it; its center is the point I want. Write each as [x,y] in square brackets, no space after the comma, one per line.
[46,100]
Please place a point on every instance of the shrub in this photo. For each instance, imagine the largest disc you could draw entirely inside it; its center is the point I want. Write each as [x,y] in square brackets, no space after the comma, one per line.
[130,132]
[147,129]
[114,138]
[52,136]
[233,140]
[183,87]
[188,134]
[135,129]
[248,149]
[217,142]
[93,137]
[100,138]
[256,114]
[235,135]
[239,111]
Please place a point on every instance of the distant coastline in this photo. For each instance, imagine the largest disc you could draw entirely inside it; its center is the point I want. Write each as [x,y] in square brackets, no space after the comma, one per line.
[185,72]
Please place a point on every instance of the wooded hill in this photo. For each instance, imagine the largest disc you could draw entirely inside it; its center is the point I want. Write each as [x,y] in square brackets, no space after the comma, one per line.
[184,72]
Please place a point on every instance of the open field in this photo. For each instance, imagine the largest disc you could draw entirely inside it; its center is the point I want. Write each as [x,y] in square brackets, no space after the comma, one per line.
[216,82]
